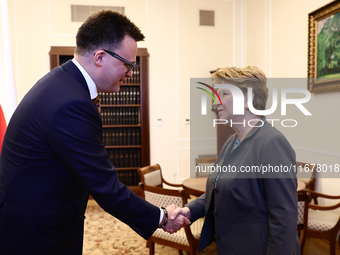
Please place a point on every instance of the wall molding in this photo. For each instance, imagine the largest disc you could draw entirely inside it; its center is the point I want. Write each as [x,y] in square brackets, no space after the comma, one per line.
[239,33]
[268,38]
[49,11]
[322,152]
[178,172]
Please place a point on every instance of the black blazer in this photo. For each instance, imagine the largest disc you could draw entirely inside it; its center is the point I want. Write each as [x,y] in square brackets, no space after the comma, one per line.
[52,158]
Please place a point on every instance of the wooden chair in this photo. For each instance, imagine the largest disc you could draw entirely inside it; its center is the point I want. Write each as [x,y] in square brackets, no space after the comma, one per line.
[204,164]
[310,182]
[303,200]
[322,222]
[186,239]
[152,176]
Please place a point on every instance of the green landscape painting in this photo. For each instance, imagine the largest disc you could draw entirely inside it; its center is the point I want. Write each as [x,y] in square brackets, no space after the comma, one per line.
[328,47]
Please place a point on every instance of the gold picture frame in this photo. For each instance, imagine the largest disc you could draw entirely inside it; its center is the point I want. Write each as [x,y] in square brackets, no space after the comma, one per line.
[324,48]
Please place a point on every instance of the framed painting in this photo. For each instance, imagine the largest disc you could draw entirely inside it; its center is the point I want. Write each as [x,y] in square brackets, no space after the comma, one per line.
[324,48]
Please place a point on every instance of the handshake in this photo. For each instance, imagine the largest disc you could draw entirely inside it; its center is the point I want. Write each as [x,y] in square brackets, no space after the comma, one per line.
[177,218]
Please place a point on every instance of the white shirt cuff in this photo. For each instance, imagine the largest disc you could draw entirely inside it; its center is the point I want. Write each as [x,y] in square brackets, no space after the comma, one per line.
[161,216]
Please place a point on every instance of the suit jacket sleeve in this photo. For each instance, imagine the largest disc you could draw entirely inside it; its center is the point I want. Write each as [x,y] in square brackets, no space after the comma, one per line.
[281,196]
[75,136]
[197,208]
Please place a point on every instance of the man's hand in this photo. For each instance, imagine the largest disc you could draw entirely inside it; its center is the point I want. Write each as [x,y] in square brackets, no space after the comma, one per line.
[177,218]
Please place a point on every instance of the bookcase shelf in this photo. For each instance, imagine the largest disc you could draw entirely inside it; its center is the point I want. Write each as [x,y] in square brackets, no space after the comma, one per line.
[117,126]
[130,84]
[125,118]
[126,168]
[120,105]
[123,147]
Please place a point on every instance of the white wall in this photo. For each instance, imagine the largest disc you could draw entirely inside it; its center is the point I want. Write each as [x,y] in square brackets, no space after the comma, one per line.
[180,49]
[271,34]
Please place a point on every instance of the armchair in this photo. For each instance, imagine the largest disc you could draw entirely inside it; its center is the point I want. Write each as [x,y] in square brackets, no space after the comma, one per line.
[310,182]
[186,239]
[322,221]
[303,200]
[152,176]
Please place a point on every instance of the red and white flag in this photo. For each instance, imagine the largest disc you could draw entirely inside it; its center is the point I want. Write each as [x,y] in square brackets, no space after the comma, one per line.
[8,98]
[2,127]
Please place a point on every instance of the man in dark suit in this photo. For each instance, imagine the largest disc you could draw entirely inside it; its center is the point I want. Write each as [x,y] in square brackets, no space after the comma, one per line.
[52,156]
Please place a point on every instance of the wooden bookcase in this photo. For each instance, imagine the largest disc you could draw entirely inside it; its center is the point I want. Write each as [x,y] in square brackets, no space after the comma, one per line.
[125,117]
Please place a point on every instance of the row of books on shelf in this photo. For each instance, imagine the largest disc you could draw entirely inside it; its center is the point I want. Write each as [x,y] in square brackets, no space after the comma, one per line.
[121,136]
[120,116]
[129,177]
[125,157]
[126,96]
[135,77]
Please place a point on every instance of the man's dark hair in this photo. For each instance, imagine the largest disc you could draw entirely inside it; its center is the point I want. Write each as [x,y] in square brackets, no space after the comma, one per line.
[105,29]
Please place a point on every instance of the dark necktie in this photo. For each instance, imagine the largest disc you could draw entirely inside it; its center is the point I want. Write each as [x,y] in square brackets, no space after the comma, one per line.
[97,102]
